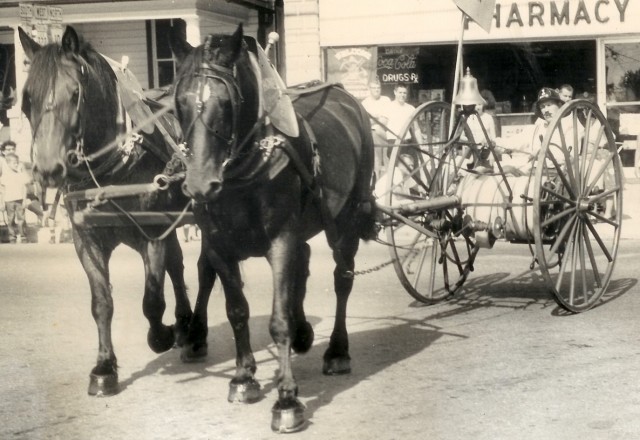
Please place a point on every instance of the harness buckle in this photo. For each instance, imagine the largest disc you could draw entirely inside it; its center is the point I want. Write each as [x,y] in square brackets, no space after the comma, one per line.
[128,145]
[269,143]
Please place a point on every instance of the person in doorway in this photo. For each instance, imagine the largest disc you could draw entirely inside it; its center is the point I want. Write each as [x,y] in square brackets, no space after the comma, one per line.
[566,93]
[376,105]
[476,128]
[490,108]
[398,113]
[14,197]
[483,130]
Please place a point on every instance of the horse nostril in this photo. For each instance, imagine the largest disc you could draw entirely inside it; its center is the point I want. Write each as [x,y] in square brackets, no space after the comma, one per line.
[59,170]
[214,187]
[185,190]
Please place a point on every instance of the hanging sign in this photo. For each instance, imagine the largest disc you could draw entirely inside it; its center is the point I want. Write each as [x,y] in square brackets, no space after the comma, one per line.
[43,23]
[480,11]
[398,65]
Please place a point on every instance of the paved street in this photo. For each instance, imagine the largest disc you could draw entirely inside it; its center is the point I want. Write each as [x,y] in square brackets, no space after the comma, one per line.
[500,361]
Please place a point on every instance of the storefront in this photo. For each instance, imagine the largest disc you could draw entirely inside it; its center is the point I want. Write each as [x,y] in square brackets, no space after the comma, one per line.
[593,45]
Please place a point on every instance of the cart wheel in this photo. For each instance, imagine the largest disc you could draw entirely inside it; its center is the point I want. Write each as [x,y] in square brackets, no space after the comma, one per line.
[420,167]
[577,205]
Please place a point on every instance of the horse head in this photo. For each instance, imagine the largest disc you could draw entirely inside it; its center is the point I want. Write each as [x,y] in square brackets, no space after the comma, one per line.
[216,102]
[69,100]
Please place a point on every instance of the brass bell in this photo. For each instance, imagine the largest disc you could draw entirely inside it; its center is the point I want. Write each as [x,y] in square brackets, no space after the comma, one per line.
[468,93]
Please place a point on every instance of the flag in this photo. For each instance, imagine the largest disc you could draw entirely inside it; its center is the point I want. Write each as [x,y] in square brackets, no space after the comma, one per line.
[480,11]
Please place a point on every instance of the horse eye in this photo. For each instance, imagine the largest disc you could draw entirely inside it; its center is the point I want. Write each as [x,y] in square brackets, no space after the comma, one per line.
[76,96]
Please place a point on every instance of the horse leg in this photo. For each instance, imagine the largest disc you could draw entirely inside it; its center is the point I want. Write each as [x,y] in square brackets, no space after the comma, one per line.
[160,336]
[303,331]
[175,269]
[243,388]
[288,411]
[336,358]
[103,380]
[195,348]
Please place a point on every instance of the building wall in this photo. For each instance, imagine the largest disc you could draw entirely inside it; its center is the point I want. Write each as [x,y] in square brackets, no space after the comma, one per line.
[437,21]
[118,38]
[302,29]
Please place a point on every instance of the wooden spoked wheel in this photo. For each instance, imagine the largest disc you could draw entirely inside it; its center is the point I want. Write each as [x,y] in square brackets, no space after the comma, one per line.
[431,263]
[577,205]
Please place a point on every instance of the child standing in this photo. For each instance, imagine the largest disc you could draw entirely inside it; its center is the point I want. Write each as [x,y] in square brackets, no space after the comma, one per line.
[14,182]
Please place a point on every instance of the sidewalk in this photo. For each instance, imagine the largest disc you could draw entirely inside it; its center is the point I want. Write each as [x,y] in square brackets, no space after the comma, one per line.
[631,209]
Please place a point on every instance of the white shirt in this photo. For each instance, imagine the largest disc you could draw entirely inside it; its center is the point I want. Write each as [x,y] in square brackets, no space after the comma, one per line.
[476,129]
[398,116]
[14,184]
[376,107]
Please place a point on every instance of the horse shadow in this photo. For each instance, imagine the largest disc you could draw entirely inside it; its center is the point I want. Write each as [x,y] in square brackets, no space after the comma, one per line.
[372,351]
[394,340]
[221,350]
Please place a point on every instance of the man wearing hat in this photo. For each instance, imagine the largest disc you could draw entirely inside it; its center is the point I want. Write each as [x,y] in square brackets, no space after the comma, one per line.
[525,147]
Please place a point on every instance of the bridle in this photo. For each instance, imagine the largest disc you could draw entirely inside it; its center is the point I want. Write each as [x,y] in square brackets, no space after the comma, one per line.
[206,73]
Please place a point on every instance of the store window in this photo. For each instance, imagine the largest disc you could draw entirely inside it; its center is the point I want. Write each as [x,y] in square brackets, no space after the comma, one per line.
[513,72]
[163,68]
[622,66]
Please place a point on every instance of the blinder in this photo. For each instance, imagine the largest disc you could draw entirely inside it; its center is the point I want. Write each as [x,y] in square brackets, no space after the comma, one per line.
[227,76]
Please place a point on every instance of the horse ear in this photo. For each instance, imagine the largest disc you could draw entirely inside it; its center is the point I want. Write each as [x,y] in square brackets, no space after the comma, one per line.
[178,43]
[70,41]
[236,42]
[28,44]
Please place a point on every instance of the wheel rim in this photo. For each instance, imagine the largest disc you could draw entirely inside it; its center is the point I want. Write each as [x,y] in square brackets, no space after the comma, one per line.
[418,257]
[572,188]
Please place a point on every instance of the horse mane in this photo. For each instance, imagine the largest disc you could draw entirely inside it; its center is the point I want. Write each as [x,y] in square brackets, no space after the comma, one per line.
[101,93]
[194,61]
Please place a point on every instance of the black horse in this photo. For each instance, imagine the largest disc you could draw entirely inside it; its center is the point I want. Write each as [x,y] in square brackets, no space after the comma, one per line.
[259,192]
[72,101]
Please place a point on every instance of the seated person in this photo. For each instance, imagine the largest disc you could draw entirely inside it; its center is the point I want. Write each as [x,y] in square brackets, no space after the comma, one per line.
[524,148]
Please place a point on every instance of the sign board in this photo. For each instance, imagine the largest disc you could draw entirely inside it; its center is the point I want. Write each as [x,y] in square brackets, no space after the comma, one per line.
[398,65]
[44,23]
[480,11]
[353,67]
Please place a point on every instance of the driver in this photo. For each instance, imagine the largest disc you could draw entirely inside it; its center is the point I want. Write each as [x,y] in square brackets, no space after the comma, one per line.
[524,148]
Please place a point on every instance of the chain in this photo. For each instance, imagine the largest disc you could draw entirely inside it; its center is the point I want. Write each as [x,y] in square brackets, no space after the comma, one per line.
[375,268]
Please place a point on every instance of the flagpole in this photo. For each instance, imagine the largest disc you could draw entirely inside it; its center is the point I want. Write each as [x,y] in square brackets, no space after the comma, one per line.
[457,75]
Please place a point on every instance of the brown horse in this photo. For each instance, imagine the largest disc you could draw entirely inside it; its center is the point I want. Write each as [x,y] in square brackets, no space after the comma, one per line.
[257,194]
[71,100]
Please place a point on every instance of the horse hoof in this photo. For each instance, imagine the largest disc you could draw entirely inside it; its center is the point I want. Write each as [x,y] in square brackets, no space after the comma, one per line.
[192,353]
[289,419]
[161,340]
[244,392]
[181,331]
[103,385]
[304,338]
[337,366]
